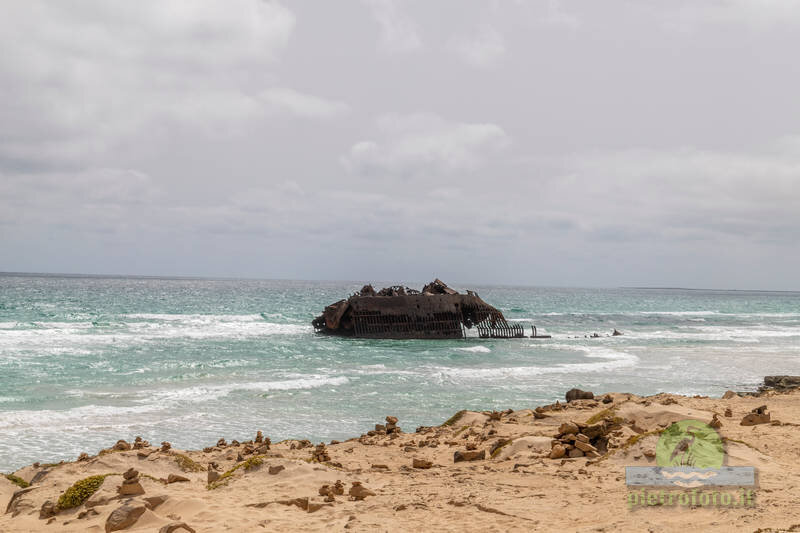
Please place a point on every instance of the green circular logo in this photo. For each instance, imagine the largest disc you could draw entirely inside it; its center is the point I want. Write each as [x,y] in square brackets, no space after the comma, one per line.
[690,443]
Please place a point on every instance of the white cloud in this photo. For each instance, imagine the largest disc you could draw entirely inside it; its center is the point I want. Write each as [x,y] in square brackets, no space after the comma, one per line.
[76,80]
[301,104]
[424,144]
[398,31]
[483,49]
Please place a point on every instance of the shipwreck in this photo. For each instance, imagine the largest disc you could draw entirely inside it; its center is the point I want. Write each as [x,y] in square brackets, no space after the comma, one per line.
[397,312]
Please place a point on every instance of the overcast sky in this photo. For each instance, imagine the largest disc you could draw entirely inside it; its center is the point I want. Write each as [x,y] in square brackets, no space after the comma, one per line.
[544,143]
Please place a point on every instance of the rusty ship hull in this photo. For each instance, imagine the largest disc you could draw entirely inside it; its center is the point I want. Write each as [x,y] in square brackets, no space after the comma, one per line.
[437,312]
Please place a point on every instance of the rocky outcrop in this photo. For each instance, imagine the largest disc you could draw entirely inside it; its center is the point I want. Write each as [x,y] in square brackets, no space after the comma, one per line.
[578,394]
[780,383]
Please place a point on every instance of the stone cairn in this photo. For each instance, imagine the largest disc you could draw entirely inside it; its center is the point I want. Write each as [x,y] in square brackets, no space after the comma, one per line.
[130,484]
[575,439]
[140,443]
[320,454]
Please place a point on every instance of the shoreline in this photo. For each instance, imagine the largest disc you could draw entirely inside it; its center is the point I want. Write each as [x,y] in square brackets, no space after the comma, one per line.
[477,471]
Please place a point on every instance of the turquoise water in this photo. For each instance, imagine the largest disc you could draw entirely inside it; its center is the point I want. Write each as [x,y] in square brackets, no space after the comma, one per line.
[86,361]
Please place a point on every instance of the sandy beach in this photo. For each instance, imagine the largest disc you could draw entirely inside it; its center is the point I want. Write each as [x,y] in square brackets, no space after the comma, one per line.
[478,471]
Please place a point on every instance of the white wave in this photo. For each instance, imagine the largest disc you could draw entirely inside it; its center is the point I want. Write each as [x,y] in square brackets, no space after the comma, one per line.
[475,349]
[614,360]
[214,392]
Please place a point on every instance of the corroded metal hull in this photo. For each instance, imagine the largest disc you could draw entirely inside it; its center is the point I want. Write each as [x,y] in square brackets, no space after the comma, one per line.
[437,312]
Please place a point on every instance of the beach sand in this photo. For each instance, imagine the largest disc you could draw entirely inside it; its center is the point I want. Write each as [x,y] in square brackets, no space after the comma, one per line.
[515,487]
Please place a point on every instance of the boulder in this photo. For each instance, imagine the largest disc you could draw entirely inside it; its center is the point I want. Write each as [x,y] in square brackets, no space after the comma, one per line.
[469,455]
[728,412]
[715,423]
[421,463]
[575,452]
[124,517]
[568,428]
[122,446]
[585,447]
[175,478]
[277,469]
[557,452]
[577,394]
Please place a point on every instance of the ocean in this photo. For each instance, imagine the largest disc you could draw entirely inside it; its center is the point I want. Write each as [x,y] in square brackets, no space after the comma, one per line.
[85,361]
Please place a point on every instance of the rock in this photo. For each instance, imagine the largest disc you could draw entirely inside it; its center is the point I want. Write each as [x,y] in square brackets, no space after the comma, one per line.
[616,333]
[143,454]
[391,420]
[359,491]
[421,463]
[133,488]
[83,457]
[130,484]
[557,452]
[175,478]
[221,443]
[176,526]
[87,512]
[95,501]
[575,452]
[380,427]
[608,399]
[584,446]
[48,510]
[165,446]
[577,394]
[759,415]
[139,443]
[213,475]
[780,383]
[469,455]
[316,506]
[122,446]
[729,394]
[338,487]
[276,469]
[259,437]
[581,437]
[715,422]
[728,412]
[568,428]
[380,467]
[123,517]
[154,501]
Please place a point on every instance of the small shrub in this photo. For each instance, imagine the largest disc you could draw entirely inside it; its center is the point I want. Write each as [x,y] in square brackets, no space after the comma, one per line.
[80,491]
[250,464]
[17,481]
[455,418]
[187,464]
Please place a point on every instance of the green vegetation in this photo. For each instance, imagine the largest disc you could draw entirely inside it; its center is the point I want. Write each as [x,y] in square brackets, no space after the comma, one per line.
[455,418]
[253,462]
[187,464]
[457,433]
[17,481]
[606,414]
[80,491]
